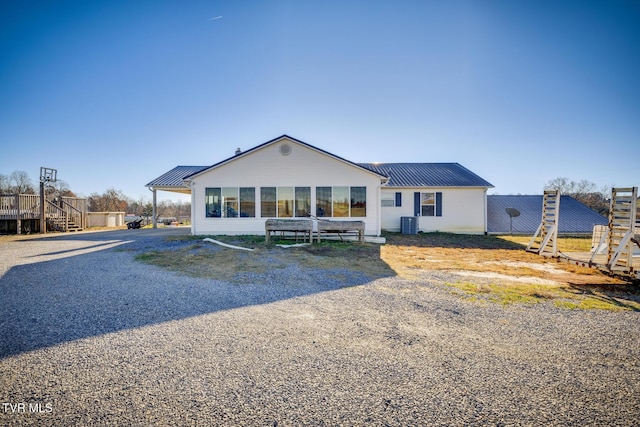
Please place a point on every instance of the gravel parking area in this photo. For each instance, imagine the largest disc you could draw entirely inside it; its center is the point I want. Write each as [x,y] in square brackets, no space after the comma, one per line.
[88,336]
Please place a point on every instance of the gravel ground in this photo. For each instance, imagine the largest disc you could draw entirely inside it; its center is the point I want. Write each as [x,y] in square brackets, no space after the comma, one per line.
[88,336]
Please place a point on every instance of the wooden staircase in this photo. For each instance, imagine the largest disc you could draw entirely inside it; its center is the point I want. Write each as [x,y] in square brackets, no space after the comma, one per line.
[62,224]
[63,217]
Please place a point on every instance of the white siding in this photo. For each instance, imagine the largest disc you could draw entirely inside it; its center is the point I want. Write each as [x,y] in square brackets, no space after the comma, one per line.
[267,167]
[463,210]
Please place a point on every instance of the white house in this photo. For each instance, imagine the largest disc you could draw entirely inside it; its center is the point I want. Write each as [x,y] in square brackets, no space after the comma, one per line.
[288,178]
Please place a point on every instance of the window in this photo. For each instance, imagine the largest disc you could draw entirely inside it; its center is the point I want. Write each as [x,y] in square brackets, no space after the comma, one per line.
[285,202]
[268,201]
[391,200]
[303,201]
[427,204]
[323,202]
[387,202]
[248,202]
[340,202]
[359,201]
[212,202]
[230,202]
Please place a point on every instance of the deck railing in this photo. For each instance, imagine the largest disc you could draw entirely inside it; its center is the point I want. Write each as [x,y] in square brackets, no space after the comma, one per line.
[75,210]
[19,206]
[27,206]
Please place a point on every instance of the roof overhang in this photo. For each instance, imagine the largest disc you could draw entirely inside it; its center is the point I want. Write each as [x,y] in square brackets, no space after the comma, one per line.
[182,190]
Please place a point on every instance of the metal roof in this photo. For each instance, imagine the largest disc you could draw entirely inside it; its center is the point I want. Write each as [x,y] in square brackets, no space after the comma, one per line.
[427,175]
[399,174]
[574,216]
[174,177]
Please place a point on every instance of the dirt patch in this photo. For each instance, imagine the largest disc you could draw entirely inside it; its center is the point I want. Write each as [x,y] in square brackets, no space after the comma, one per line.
[484,254]
[488,268]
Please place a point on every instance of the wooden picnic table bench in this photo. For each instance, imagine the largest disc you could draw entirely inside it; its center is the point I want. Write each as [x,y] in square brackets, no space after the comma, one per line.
[339,227]
[291,225]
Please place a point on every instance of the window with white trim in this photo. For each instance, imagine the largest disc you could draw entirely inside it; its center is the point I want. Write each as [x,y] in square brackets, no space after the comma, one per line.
[285,202]
[391,199]
[230,202]
[427,204]
[341,202]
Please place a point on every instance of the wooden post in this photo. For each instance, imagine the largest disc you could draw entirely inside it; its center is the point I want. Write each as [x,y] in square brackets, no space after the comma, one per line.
[155,222]
[18,216]
[43,219]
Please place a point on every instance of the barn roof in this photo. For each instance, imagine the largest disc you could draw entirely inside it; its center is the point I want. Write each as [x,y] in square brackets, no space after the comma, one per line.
[427,175]
[574,216]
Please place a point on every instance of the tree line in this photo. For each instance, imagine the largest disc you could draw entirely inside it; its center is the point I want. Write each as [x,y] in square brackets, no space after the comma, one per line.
[111,200]
[584,191]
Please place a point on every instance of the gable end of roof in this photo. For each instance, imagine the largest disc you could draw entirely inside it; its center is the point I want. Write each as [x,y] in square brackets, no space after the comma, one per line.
[281,137]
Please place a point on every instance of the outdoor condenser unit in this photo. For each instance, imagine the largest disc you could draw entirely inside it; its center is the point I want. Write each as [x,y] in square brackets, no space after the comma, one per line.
[409,225]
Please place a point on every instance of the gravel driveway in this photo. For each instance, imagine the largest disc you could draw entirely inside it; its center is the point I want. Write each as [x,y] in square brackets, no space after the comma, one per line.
[88,336]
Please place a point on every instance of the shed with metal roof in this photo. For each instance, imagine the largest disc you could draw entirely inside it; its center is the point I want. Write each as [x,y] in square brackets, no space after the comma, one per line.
[574,217]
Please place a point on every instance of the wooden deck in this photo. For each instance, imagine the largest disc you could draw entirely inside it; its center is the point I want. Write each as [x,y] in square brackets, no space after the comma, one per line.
[63,214]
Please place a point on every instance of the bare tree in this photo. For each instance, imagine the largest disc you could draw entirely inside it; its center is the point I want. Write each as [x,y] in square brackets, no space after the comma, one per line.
[584,191]
[5,186]
[59,188]
[136,207]
[21,183]
[111,200]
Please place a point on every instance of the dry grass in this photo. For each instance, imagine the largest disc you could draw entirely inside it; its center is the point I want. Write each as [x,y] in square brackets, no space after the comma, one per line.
[203,259]
[488,269]
[498,269]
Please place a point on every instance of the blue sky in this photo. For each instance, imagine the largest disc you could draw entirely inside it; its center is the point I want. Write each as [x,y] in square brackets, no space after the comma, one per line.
[115,93]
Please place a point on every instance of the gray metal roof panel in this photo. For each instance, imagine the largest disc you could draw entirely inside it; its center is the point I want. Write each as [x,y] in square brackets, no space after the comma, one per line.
[427,175]
[174,177]
[574,216]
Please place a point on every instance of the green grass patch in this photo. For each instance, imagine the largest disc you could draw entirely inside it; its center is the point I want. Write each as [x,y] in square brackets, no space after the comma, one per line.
[500,294]
[565,243]
[564,297]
